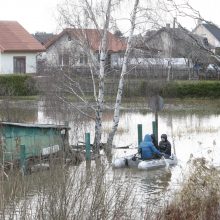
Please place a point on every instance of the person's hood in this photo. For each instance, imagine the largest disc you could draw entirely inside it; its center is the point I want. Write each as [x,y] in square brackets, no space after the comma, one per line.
[164,136]
[147,138]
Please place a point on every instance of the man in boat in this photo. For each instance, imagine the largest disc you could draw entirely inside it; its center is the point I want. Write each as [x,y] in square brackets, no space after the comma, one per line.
[165,146]
[148,150]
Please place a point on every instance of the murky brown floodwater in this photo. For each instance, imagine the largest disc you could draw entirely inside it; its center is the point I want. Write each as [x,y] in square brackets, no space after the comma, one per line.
[192,129]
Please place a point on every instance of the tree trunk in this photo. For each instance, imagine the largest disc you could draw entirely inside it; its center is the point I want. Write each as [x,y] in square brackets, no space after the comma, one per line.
[100,101]
[121,81]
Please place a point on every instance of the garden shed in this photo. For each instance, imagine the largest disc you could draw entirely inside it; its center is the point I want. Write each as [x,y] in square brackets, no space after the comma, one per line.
[38,139]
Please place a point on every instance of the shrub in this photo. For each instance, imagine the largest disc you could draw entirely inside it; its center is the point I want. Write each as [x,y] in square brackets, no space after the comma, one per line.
[17,85]
[181,89]
[199,197]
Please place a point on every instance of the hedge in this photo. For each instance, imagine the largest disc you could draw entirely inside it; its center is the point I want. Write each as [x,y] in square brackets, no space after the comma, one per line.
[17,85]
[197,89]
[174,89]
[26,85]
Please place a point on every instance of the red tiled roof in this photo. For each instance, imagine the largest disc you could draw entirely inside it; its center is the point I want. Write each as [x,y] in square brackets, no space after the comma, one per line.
[93,38]
[14,38]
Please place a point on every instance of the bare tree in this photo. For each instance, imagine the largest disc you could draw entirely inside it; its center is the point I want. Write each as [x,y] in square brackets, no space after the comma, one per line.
[100,19]
[81,15]
[123,72]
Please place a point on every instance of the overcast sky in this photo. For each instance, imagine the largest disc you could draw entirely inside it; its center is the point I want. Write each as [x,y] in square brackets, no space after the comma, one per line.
[40,15]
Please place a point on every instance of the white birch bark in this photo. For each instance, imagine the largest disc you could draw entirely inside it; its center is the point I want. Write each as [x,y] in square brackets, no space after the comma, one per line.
[72,19]
[100,101]
[121,81]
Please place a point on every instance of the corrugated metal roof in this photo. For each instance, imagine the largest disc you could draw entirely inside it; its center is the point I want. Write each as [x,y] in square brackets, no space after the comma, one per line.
[93,38]
[214,30]
[35,125]
[14,38]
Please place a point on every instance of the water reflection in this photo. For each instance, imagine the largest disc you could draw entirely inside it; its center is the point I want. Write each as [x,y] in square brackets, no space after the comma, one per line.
[18,111]
[156,181]
[190,132]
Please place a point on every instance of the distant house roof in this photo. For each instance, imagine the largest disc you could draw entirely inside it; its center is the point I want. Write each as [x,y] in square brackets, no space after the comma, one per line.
[14,38]
[43,37]
[93,37]
[182,40]
[213,29]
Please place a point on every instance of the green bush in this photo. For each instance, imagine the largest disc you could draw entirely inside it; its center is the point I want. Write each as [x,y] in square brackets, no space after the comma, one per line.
[174,89]
[181,89]
[17,85]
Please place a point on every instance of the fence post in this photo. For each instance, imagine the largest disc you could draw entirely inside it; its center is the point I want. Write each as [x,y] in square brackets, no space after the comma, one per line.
[155,130]
[88,147]
[139,134]
[23,159]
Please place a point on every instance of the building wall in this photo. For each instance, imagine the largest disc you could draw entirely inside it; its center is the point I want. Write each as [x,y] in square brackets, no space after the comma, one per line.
[76,52]
[60,47]
[162,42]
[203,32]
[7,64]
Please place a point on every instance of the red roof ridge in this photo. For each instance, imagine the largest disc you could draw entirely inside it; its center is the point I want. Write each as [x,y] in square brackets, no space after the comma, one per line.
[14,38]
[115,44]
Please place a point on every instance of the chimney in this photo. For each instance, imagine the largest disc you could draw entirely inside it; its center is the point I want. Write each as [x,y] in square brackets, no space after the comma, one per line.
[167,26]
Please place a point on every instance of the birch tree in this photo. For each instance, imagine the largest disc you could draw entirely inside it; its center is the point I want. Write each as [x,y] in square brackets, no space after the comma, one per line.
[91,17]
[103,55]
[100,17]
[101,24]
[123,72]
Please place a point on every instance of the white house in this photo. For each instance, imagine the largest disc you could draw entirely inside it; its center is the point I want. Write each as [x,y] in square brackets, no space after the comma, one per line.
[209,32]
[71,47]
[18,49]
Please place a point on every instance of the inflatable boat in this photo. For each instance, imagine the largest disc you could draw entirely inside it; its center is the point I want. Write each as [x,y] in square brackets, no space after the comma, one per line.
[135,161]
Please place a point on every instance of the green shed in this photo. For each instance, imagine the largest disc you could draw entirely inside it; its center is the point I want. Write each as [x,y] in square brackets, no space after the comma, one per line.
[38,139]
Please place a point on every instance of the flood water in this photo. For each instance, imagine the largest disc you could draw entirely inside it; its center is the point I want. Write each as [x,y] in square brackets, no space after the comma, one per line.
[192,128]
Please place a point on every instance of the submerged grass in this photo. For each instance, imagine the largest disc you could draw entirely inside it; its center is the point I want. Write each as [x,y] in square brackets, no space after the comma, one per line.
[92,192]
[68,193]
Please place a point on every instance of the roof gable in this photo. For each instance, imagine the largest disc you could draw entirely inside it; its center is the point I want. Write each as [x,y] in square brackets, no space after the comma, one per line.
[14,38]
[214,30]
[93,38]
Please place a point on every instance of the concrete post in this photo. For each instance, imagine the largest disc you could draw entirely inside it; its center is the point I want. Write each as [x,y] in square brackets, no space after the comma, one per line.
[88,146]
[139,134]
[23,159]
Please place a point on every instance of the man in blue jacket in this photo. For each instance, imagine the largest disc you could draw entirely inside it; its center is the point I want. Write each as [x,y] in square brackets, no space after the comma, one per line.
[147,149]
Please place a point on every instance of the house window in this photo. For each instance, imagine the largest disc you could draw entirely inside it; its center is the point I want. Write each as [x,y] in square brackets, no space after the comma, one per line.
[64,59]
[86,59]
[83,59]
[205,41]
[19,64]
[98,57]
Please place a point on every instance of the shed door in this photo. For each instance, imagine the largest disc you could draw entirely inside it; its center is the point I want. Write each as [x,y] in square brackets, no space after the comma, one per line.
[19,64]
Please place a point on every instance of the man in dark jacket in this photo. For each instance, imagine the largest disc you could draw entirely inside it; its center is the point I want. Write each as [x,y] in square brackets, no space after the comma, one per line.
[147,149]
[165,146]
